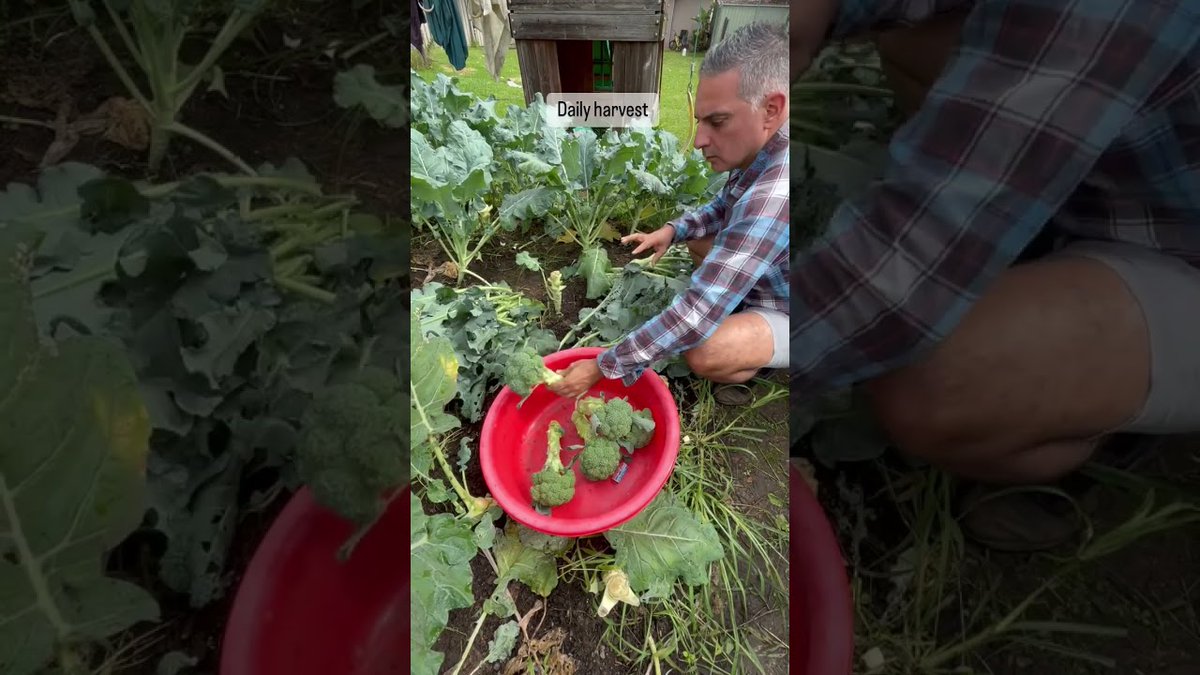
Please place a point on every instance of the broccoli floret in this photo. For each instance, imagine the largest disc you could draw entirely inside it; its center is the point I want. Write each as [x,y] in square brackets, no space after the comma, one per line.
[584,409]
[615,420]
[351,451]
[640,432]
[525,370]
[600,458]
[554,485]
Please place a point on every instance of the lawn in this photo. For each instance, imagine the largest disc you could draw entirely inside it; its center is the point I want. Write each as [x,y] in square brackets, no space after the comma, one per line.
[675,109]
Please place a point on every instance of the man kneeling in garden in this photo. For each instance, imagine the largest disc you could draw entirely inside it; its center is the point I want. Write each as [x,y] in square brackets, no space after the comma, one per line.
[733,319]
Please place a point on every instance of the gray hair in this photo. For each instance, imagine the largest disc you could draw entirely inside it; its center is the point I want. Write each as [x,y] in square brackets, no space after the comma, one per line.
[760,50]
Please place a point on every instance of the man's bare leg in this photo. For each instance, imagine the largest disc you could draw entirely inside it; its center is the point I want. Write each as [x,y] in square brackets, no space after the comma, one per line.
[740,346]
[1054,355]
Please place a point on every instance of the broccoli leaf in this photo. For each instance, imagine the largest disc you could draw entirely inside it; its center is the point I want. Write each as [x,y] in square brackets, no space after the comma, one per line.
[528,262]
[663,543]
[441,548]
[73,442]
[503,643]
[357,86]
[434,382]
[536,569]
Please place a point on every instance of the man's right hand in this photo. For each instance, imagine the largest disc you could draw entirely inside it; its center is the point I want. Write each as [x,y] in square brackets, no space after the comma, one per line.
[659,240]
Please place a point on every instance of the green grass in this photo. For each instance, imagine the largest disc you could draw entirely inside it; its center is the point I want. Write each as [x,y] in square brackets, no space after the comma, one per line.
[674,110]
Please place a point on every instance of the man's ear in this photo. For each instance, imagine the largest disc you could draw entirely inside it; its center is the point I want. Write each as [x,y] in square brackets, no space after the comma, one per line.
[775,105]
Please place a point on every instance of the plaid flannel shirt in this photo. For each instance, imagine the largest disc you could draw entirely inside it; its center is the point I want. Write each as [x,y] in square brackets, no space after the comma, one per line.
[748,264]
[1081,115]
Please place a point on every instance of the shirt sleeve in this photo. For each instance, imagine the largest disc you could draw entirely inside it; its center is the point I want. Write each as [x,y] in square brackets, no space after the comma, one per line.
[703,221]
[743,251]
[1024,109]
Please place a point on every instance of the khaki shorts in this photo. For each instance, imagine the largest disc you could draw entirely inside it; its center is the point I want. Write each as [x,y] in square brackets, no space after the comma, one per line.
[1168,290]
[780,329]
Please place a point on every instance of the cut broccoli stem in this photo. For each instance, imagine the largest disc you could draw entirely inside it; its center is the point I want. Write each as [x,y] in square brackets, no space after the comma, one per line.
[475,506]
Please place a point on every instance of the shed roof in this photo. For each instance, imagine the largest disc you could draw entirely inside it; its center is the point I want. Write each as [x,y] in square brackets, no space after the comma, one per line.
[773,3]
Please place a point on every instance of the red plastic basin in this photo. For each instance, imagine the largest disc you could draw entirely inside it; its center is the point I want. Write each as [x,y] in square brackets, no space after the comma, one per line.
[299,611]
[821,606]
[512,447]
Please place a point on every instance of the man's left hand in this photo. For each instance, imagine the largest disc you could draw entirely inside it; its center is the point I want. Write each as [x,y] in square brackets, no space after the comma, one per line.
[578,378]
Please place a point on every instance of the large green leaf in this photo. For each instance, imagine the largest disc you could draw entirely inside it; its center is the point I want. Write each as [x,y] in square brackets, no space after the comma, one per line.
[73,443]
[663,543]
[358,86]
[448,180]
[526,204]
[532,567]
[441,548]
[434,372]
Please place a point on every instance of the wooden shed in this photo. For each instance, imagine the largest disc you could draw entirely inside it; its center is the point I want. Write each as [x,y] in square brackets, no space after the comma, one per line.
[589,45]
[730,15]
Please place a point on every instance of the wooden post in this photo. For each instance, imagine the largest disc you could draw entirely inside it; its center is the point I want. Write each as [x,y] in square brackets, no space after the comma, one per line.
[539,68]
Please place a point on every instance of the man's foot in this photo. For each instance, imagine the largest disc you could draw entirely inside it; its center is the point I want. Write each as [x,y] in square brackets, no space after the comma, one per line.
[734,395]
[1024,520]
[742,393]
[1004,519]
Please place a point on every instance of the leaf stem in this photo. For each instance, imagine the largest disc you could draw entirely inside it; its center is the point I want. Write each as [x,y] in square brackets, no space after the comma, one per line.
[23,120]
[462,660]
[123,31]
[188,132]
[115,63]
[37,580]
[309,291]
[237,21]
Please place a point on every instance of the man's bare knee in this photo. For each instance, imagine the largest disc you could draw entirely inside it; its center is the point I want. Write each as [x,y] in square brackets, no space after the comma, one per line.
[701,360]
[914,426]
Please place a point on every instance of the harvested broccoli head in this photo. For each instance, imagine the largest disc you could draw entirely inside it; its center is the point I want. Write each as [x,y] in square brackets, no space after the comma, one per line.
[615,420]
[584,409]
[599,458]
[525,370]
[352,449]
[554,485]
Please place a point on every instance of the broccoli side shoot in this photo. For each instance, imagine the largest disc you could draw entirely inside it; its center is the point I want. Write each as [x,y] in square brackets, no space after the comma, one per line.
[554,485]
[584,409]
[599,458]
[351,450]
[640,431]
[525,370]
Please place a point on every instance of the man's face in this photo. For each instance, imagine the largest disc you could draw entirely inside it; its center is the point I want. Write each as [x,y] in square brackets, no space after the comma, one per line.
[730,132]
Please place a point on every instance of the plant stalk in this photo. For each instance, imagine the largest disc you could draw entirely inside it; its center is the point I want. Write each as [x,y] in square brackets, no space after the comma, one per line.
[188,132]
[306,290]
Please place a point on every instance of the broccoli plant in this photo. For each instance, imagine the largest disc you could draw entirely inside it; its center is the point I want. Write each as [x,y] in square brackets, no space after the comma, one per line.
[600,458]
[154,34]
[352,452]
[554,485]
[526,370]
